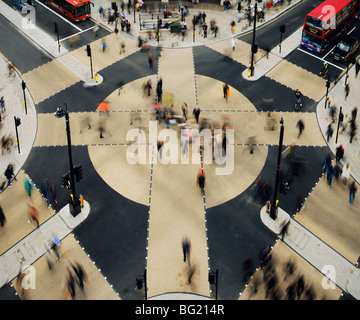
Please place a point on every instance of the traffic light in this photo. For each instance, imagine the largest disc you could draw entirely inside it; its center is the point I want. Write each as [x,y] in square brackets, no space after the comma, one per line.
[88,50]
[23,85]
[78,172]
[255,48]
[114,6]
[65,180]
[17,121]
[282,28]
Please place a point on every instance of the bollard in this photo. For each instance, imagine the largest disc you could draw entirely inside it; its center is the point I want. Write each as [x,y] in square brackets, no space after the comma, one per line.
[96,77]
[268,206]
[82,201]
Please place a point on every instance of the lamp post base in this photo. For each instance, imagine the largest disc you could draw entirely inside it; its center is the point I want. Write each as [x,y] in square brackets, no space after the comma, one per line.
[75,207]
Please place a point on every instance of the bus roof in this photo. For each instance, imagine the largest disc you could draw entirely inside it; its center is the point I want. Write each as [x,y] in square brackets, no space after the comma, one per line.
[320,13]
[77,2]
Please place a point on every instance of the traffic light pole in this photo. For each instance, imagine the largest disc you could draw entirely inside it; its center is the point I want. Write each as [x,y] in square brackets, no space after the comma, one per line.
[341,116]
[17,123]
[273,208]
[253,43]
[88,49]
[23,85]
[75,207]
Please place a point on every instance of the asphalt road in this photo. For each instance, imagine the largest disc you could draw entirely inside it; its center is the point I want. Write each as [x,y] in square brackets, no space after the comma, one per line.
[115,239]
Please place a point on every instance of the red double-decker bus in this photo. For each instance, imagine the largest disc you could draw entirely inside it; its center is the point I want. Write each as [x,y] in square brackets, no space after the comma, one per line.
[326,22]
[76,10]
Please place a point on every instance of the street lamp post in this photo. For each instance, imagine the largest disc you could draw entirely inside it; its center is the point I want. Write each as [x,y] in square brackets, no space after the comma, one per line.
[273,209]
[74,203]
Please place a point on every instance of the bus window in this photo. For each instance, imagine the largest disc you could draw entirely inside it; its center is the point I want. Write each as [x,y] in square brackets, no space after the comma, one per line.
[69,8]
[312,39]
[315,22]
[82,9]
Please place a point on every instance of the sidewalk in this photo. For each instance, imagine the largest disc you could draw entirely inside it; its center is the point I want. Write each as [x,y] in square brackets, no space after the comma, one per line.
[213,12]
[300,239]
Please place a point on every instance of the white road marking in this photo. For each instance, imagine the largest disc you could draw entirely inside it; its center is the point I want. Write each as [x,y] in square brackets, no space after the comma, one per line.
[322,59]
[60,16]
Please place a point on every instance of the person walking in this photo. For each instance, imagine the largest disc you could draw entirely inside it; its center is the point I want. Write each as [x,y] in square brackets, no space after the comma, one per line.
[233,43]
[186,245]
[352,130]
[9,174]
[226,91]
[150,60]
[201,180]
[352,191]
[357,68]
[34,213]
[301,126]
[196,113]
[2,217]
[2,104]
[345,175]
[329,132]
[159,91]
[300,286]
[329,174]
[80,273]
[339,153]
[347,90]
[185,108]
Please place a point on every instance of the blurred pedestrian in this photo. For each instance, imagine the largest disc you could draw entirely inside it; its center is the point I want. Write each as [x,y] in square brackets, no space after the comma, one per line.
[233,43]
[357,68]
[2,105]
[70,283]
[103,44]
[265,257]
[353,129]
[159,147]
[339,152]
[159,91]
[290,291]
[301,127]
[185,110]
[80,273]
[150,60]
[186,245]
[347,90]
[332,112]
[34,214]
[329,174]
[289,269]
[353,114]
[201,180]
[345,175]
[9,174]
[226,91]
[196,113]
[55,245]
[247,269]
[29,185]
[329,132]
[352,191]
[300,286]
[284,229]
[190,273]
[122,47]
[11,69]
[2,217]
